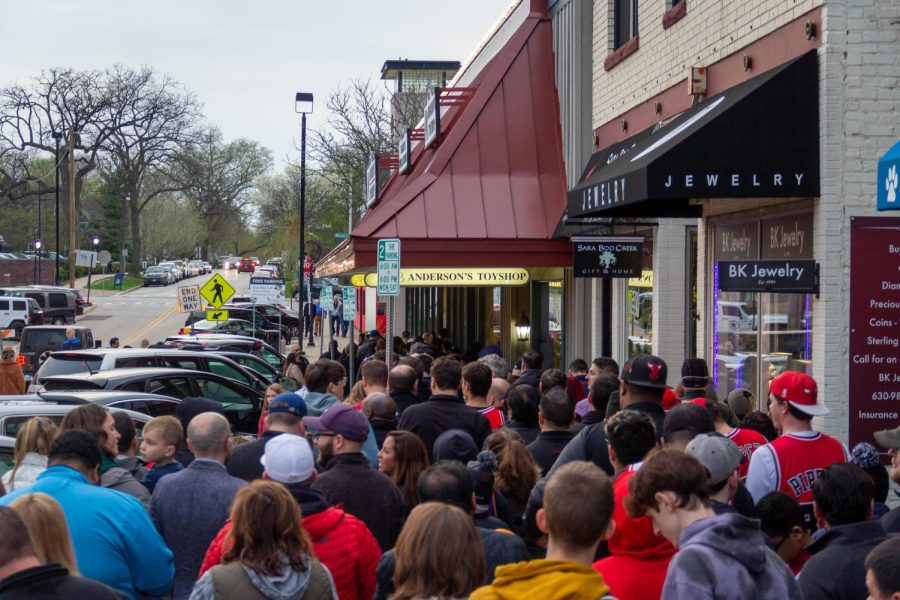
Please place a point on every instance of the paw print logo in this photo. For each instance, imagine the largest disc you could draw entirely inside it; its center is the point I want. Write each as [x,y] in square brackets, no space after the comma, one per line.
[891,183]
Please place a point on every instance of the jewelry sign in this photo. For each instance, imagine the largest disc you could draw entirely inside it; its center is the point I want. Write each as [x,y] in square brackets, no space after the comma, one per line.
[608,256]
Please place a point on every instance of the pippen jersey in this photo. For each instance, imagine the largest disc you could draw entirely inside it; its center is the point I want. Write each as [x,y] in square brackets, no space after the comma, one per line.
[798,462]
[747,441]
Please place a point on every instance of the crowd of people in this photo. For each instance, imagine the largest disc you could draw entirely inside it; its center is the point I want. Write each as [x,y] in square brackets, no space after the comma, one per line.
[457,475]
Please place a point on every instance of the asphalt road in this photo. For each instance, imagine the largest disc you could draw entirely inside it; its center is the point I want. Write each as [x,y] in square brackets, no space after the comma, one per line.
[147,313]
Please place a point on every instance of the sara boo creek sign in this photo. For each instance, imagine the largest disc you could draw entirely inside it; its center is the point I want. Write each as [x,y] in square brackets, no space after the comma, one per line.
[607,256]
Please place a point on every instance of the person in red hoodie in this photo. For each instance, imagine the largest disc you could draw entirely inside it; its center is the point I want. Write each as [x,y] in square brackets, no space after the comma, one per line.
[636,569]
[341,542]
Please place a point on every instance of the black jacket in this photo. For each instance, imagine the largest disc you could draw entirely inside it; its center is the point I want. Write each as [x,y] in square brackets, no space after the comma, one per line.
[430,419]
[311,501]
[53,582]
[590,443]
[836,569]
[529,434]
[244,462]
[404,400]
[547,447]
[499,549]
[591,417]
[368,495]
[891,520]
[382,427]
[530,376]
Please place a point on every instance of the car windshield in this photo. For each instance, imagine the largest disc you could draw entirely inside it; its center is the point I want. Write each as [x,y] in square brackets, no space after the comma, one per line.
[156,270]
[67,364]
[34,339]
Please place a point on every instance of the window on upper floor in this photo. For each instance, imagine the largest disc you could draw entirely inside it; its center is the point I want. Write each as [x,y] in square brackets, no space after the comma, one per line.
[626,21]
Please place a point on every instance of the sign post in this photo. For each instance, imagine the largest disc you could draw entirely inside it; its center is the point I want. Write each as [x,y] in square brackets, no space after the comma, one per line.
[389,285]
[326,298]
[217,291]
[189,298]
[349,294]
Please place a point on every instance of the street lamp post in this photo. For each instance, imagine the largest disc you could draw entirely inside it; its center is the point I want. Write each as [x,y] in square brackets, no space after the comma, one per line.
[37,260]
[303,104]
[94,240]
[57,135]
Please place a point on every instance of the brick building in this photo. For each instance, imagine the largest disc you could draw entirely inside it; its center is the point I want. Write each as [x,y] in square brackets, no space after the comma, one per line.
[807,89]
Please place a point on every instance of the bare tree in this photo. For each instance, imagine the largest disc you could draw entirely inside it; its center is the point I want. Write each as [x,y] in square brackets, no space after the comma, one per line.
[151,119]
[217,178]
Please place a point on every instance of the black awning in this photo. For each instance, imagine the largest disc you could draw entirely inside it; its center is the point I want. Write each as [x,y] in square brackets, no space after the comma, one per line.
[759,139]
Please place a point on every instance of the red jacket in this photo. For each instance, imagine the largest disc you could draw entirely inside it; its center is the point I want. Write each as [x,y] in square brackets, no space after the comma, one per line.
[637,568]
[341,542]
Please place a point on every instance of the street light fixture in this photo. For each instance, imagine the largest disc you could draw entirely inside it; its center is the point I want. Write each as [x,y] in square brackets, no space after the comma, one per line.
[95,239]
[303,105]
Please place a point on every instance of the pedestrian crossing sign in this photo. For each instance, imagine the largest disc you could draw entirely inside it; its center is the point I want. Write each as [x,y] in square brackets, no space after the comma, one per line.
[217,315]
[217,291]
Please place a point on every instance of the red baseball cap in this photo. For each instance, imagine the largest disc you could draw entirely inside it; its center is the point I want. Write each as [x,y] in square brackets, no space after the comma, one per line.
[800,391]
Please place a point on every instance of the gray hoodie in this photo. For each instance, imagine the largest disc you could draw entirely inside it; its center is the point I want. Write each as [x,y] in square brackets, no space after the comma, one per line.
[725,557]
[290,585]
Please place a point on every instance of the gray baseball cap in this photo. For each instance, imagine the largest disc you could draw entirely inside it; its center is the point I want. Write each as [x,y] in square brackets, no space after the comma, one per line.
[889,438]
[717,453]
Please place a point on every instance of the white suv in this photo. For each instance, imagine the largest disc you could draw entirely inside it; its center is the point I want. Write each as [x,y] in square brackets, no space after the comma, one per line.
[14,314]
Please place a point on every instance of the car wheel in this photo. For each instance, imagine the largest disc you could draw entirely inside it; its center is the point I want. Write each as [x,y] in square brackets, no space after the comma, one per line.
[17,327]
[295,332]
[59,320]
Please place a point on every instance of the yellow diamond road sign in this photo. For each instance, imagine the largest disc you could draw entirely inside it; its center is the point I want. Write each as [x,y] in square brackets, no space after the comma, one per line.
[217,291]
[217,315]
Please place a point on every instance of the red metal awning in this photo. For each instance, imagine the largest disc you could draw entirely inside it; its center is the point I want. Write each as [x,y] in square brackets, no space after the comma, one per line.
[491,192]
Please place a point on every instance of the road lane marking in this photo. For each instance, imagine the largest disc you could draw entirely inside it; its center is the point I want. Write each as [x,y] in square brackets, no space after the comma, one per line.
[150,325]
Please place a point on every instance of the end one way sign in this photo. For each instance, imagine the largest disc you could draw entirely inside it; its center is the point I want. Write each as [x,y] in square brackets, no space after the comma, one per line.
[189,298]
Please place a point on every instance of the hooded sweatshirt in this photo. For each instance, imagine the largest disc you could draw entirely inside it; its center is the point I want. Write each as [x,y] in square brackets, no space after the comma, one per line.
[544,579]
[341,541]
[316,405]
[287,585]
[640,558]
[726,557]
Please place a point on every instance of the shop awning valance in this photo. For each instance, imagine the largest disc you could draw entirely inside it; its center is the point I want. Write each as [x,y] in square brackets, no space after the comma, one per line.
[758,139]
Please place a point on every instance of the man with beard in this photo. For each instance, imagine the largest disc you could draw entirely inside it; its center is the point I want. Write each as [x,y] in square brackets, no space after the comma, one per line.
[348,478]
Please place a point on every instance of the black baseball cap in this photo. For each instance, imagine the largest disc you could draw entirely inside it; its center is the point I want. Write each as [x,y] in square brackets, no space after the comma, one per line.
[695,372]
[646,370]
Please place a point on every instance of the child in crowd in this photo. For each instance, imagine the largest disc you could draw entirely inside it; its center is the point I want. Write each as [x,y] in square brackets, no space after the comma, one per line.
[162,437]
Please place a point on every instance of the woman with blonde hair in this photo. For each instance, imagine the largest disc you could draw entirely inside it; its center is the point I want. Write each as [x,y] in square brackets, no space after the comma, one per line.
[357,394]
[516,473]
[439,554]
[270,554]
[403,457]
[33,443]
[47,526]
[271,391]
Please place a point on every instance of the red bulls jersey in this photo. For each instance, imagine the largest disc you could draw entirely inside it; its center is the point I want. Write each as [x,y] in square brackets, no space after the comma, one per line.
[747,441]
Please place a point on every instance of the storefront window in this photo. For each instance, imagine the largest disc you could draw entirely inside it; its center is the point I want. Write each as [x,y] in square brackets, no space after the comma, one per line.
[639,320]
[555,319]
[758,335]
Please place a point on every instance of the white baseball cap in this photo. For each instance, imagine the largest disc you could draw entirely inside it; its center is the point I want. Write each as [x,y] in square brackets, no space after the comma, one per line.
[288,459]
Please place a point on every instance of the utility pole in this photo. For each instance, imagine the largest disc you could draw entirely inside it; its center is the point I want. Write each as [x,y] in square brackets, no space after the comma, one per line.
[73,218]
[57,135]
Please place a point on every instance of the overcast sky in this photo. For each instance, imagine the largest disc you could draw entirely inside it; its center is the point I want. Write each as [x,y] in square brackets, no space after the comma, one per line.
[245,59]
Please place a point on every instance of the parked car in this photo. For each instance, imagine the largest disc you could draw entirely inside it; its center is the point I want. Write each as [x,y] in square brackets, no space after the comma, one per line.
[38,341]
[218,342]
[233,326]
[262,315]
[17,313]
[157,276]
[176,271]
[59,306]
[79,299]
[153,405]
[68,362]
[15,413]
[241,403]
[207,268]
[289,319]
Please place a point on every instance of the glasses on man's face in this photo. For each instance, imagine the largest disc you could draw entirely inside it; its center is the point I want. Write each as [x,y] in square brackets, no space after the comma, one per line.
[321,434]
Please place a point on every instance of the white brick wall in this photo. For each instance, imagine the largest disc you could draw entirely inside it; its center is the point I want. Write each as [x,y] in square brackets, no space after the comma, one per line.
[860,119]
[710,31]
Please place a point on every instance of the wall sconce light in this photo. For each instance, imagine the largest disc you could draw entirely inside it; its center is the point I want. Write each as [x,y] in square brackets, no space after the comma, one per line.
[748,62]
[810,29]
[657,107]
[523,328]
[624,125]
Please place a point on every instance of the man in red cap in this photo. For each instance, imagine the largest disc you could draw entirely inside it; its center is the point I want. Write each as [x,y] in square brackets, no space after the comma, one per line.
[791,463]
